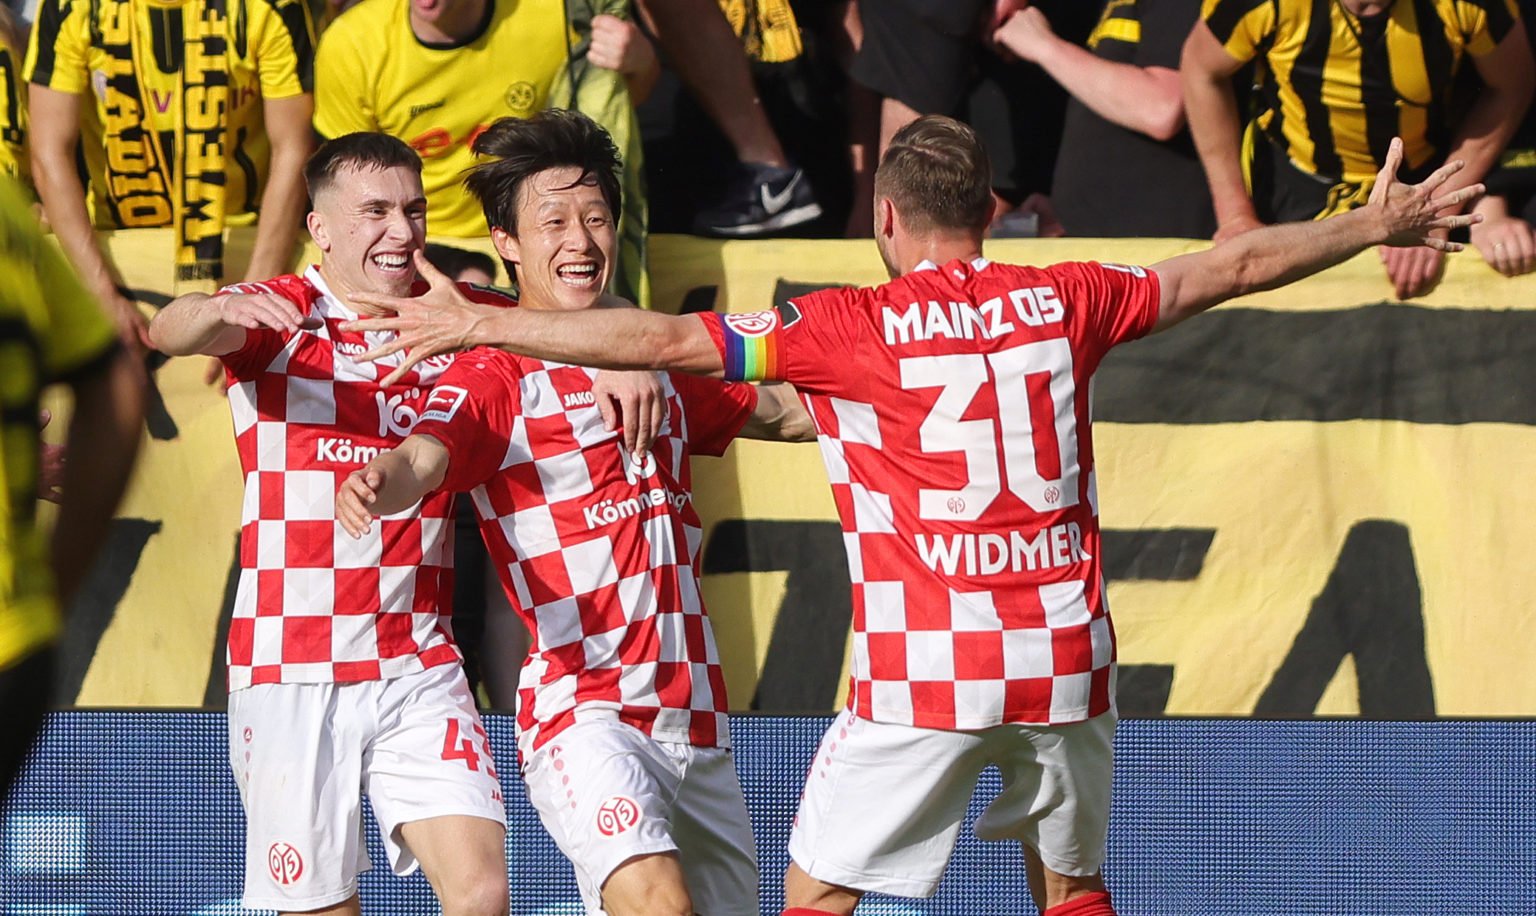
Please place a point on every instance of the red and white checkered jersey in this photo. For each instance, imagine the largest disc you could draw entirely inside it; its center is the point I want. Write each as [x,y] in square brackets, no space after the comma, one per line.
[314,605]
[597,552]
[952,406]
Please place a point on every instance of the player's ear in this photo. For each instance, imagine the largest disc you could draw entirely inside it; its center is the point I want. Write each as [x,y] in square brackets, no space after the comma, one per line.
[506,245]
[885,218]
[316,227]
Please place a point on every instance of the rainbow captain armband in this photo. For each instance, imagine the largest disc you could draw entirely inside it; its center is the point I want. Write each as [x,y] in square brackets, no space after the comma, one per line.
[751,346]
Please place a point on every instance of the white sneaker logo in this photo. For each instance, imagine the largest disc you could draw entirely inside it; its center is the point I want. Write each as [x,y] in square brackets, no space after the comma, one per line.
[773,203]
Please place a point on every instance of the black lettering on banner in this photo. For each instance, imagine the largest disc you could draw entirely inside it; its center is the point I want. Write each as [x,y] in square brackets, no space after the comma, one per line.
[1371,608]
[96,602]
[804,662]
[699,299]
[1157,555]
[1377,362]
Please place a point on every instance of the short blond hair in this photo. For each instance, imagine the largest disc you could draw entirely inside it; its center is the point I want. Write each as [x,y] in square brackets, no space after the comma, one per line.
[937,175]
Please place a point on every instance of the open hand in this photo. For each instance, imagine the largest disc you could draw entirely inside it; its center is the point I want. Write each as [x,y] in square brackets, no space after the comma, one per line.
[440,320]
[1411,213]
[359,491]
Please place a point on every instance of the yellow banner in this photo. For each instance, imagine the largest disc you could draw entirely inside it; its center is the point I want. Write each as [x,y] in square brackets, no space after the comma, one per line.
[1316,501]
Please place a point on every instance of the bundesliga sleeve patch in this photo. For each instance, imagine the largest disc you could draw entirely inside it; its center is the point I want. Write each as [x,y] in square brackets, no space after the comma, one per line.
[752,346]
[443,403]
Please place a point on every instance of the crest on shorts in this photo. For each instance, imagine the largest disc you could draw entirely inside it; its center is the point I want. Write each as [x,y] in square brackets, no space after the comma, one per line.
[285,863]
[617,815]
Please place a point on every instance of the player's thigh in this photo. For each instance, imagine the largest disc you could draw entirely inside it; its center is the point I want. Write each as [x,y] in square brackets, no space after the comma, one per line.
[432,759]
[1056,792]
[464,859]
[605,792]
[296,752]
[714,834]
[883,804]
[649,885]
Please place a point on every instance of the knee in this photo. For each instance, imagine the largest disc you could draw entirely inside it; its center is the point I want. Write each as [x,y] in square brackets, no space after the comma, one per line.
[481,895]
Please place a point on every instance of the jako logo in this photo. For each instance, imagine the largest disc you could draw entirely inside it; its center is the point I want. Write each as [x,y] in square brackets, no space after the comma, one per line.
[396,417]
[578,399]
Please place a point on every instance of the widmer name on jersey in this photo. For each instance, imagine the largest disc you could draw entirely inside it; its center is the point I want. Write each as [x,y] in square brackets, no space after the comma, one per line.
[972,554]
[1033,306]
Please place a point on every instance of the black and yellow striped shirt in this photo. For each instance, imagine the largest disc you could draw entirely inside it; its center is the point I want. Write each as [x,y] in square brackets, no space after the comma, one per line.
[50,330]
[1335,89]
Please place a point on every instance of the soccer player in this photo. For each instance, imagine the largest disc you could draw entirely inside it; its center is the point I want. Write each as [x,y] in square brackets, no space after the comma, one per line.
[343,673]
[953,409]
[58,333]
[622,708]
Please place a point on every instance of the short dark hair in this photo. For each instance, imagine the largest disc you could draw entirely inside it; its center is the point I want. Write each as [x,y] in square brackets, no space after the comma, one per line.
[362,150]
[454,261]
[518,148]
[936,173]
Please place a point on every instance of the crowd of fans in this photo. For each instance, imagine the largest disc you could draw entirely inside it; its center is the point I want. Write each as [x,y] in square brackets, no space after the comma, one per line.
[752,118]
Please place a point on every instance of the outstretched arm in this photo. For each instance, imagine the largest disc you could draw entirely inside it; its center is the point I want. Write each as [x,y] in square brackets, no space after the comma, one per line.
[216,324]
[443,320]
[1397,215]
[394,481]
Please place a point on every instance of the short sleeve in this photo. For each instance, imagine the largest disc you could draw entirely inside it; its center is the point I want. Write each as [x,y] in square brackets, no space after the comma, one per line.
[341,103]
[716,411]
[1486,23]
[1243,27]
[809,341]
[286,49]
[1165,25]
[1119,302]
[472,411]
[56,53]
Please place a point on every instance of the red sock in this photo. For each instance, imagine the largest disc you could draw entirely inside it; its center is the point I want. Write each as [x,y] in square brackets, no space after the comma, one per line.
[1096,904]
[806,911]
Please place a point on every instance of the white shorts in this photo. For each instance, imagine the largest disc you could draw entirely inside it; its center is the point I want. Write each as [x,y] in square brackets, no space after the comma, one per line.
[303,754]
[607,793]
[883,803]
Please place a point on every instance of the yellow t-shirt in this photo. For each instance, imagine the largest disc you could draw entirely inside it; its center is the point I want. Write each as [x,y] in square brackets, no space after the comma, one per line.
[373,73]
[13,114]
[269,55]
[1324,92]
[50,330]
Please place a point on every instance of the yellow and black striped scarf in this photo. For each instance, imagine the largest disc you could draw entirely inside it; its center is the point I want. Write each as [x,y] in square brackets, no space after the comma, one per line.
[178,174]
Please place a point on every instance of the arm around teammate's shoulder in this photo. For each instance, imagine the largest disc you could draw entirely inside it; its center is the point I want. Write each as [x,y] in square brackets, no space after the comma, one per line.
[1397,215]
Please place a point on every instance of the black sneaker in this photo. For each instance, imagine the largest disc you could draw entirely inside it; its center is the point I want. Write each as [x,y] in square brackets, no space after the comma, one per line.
[763,199]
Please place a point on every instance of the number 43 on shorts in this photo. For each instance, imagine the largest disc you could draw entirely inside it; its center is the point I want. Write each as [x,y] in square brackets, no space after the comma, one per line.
[458,747]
